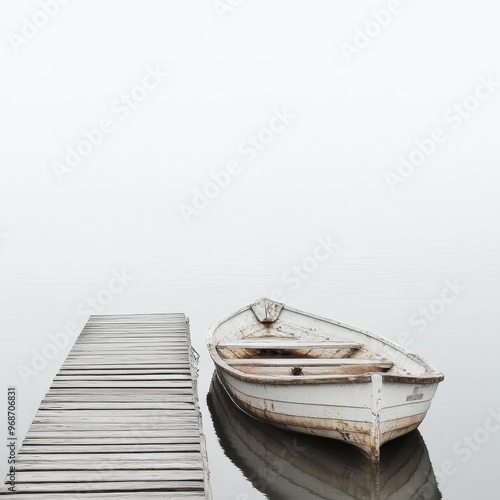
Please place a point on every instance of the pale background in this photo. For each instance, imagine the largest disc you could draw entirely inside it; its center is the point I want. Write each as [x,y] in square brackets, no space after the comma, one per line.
[322,176]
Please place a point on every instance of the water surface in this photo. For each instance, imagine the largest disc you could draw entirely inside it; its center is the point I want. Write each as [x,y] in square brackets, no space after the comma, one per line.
[379,292]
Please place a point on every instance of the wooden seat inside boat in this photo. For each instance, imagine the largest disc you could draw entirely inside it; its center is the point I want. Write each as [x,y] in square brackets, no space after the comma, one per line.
[308,362]
[282,367]
[262,344]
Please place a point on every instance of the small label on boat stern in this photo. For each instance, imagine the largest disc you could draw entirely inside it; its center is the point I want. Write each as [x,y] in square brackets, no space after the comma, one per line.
[415,396]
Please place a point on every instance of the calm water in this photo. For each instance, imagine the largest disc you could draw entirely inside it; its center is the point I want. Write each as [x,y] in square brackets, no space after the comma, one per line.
[379,290]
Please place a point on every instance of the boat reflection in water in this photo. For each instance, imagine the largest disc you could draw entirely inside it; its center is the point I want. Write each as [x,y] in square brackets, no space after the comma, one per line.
[285,465]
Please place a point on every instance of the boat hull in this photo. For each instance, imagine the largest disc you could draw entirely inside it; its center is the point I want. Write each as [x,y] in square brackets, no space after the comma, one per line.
[355,412]
[283,465]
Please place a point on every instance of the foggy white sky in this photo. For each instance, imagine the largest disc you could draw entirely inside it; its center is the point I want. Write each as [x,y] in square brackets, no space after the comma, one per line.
[352,121]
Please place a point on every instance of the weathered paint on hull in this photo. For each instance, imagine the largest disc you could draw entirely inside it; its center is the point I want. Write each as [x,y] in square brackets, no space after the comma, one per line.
[345,412]
[288,466]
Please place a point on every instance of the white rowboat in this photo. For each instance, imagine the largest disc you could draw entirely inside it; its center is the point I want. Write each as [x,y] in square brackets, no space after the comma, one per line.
[321,377]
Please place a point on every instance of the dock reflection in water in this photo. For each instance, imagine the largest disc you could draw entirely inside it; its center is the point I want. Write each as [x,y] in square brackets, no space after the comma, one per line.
[285,465]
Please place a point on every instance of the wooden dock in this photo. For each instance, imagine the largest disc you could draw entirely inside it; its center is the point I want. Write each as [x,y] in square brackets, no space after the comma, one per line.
[121,418]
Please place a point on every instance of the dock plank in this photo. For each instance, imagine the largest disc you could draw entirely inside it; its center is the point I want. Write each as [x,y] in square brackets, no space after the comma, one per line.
[112,486]
[182,473]
[122,495]
[162,495]
[48,447]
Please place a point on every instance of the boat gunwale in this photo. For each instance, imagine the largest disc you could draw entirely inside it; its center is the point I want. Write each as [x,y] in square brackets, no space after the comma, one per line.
[432,375]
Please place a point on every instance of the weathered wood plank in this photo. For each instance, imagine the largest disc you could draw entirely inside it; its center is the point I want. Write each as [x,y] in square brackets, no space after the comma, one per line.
[104,456]
[116,426]
[118,434]
[160,398]
[90,485]
[96,403]
[122,495]
[159,334]
[113,383]
[101,372]
[135,358]
[88,440]
[186,473]
[123,360]
[119,391]
[180,366]
[149,329]
[105,377]
[130,447]
[123,356]
[103,354]
[307,362]
[103,344]
[121,349]
[108,415]
[119,365]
